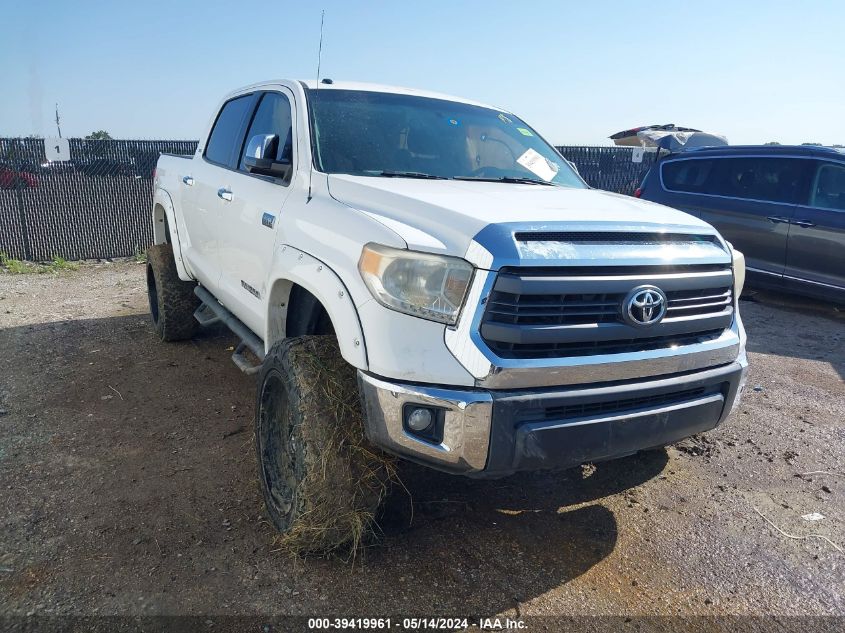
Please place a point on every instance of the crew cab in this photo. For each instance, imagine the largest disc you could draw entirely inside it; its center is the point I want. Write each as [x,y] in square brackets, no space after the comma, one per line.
[437,260]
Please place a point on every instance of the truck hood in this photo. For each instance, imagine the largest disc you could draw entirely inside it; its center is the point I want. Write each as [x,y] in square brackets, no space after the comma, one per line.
[447,215]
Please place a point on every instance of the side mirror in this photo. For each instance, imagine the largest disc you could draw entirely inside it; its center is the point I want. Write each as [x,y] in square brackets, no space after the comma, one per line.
[260,157]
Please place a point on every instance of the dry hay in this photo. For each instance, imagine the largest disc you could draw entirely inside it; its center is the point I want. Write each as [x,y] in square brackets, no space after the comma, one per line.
[345,477]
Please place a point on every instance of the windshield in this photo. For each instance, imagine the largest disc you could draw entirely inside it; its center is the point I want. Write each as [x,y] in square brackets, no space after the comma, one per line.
[394,135]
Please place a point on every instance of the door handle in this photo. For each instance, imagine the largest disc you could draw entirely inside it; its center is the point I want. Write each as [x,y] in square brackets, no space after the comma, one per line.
[188,180]
[775,219]
[225,194]
[806,224]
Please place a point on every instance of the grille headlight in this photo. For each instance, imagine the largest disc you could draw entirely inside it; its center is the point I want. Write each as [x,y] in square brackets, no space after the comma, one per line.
[424,285]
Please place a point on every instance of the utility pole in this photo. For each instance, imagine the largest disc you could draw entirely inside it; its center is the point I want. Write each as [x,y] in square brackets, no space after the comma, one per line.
[58,127]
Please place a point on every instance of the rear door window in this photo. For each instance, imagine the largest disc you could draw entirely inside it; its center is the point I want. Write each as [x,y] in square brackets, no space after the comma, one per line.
[828,188]
[689,175]
[224,144]
[768,179]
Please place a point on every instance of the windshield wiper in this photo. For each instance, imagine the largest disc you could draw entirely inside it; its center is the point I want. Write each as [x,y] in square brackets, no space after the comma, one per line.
[408,174]
[509,179]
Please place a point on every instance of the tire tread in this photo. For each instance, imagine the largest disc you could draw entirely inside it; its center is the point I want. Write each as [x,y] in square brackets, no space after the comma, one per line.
[176,299]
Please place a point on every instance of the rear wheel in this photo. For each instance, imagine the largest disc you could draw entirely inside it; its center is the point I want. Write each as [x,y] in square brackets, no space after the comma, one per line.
[172,301]
[322,482]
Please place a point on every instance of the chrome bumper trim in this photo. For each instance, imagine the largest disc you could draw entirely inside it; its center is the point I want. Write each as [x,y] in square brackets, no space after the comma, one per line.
[466,432]
[580,370]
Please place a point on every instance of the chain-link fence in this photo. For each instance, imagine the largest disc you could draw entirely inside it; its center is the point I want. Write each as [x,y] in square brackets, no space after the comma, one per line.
[610,168]
[98,204]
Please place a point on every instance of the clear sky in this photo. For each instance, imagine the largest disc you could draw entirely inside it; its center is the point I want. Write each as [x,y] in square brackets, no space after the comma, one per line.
[754,70]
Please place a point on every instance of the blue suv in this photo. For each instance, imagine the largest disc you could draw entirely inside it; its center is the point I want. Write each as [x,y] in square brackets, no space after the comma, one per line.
[782,206]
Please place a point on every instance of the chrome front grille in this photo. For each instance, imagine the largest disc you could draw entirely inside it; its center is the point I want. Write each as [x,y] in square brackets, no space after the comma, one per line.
[702,301]
[543,313]
[505,307]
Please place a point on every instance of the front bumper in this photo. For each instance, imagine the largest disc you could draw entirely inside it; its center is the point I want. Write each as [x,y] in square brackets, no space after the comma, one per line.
[496,433]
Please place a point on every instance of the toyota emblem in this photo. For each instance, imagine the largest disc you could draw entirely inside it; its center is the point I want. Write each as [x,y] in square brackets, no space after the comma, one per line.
[644,305]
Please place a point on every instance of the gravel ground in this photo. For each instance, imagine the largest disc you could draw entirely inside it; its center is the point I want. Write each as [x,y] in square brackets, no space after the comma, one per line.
[129,488]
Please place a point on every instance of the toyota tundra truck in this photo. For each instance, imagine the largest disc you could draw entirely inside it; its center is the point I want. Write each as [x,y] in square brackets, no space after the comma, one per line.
[413,275]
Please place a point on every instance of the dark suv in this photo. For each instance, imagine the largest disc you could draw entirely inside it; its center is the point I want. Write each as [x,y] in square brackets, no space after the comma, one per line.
[782,206]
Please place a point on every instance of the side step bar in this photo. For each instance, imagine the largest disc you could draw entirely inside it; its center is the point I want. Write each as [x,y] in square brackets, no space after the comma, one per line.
[243,363]
[212,311]
[205,315]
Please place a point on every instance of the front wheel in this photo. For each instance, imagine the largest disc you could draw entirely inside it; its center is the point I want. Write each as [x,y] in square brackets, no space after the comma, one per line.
[322,483]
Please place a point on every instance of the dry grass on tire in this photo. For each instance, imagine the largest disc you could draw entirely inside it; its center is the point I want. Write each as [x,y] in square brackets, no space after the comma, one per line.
[347,478]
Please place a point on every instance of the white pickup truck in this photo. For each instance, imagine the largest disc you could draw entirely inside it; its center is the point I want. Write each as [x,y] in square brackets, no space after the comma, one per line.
[439,262]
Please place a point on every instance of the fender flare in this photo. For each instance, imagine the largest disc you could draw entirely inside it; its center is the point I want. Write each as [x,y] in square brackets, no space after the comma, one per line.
[162,199]
[293,266]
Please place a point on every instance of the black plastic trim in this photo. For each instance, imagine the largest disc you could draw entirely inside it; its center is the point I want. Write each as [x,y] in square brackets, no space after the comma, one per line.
[612,237]
[520,440]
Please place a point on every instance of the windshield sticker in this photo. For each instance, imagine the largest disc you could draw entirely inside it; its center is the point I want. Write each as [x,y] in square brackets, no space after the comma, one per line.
[534,162]
[524,131]
[504,119]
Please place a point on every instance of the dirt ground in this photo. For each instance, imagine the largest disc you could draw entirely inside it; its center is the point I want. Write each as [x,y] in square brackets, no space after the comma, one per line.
[128,487]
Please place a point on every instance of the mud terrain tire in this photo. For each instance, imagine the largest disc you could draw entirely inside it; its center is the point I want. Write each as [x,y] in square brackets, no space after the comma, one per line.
[322,482]
[172,301]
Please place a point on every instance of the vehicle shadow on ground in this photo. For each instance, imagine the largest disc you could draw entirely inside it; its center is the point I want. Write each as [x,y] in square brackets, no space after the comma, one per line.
[821,336]
[520,537]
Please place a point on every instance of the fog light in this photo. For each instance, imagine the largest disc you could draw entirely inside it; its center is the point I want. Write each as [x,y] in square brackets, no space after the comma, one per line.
[420,419]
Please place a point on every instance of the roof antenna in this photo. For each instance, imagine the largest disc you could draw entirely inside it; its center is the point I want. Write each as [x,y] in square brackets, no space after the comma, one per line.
[319,59]
[320,49]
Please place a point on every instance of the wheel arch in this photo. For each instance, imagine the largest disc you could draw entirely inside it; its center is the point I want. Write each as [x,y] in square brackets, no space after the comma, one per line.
[166,230]
[305,286]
